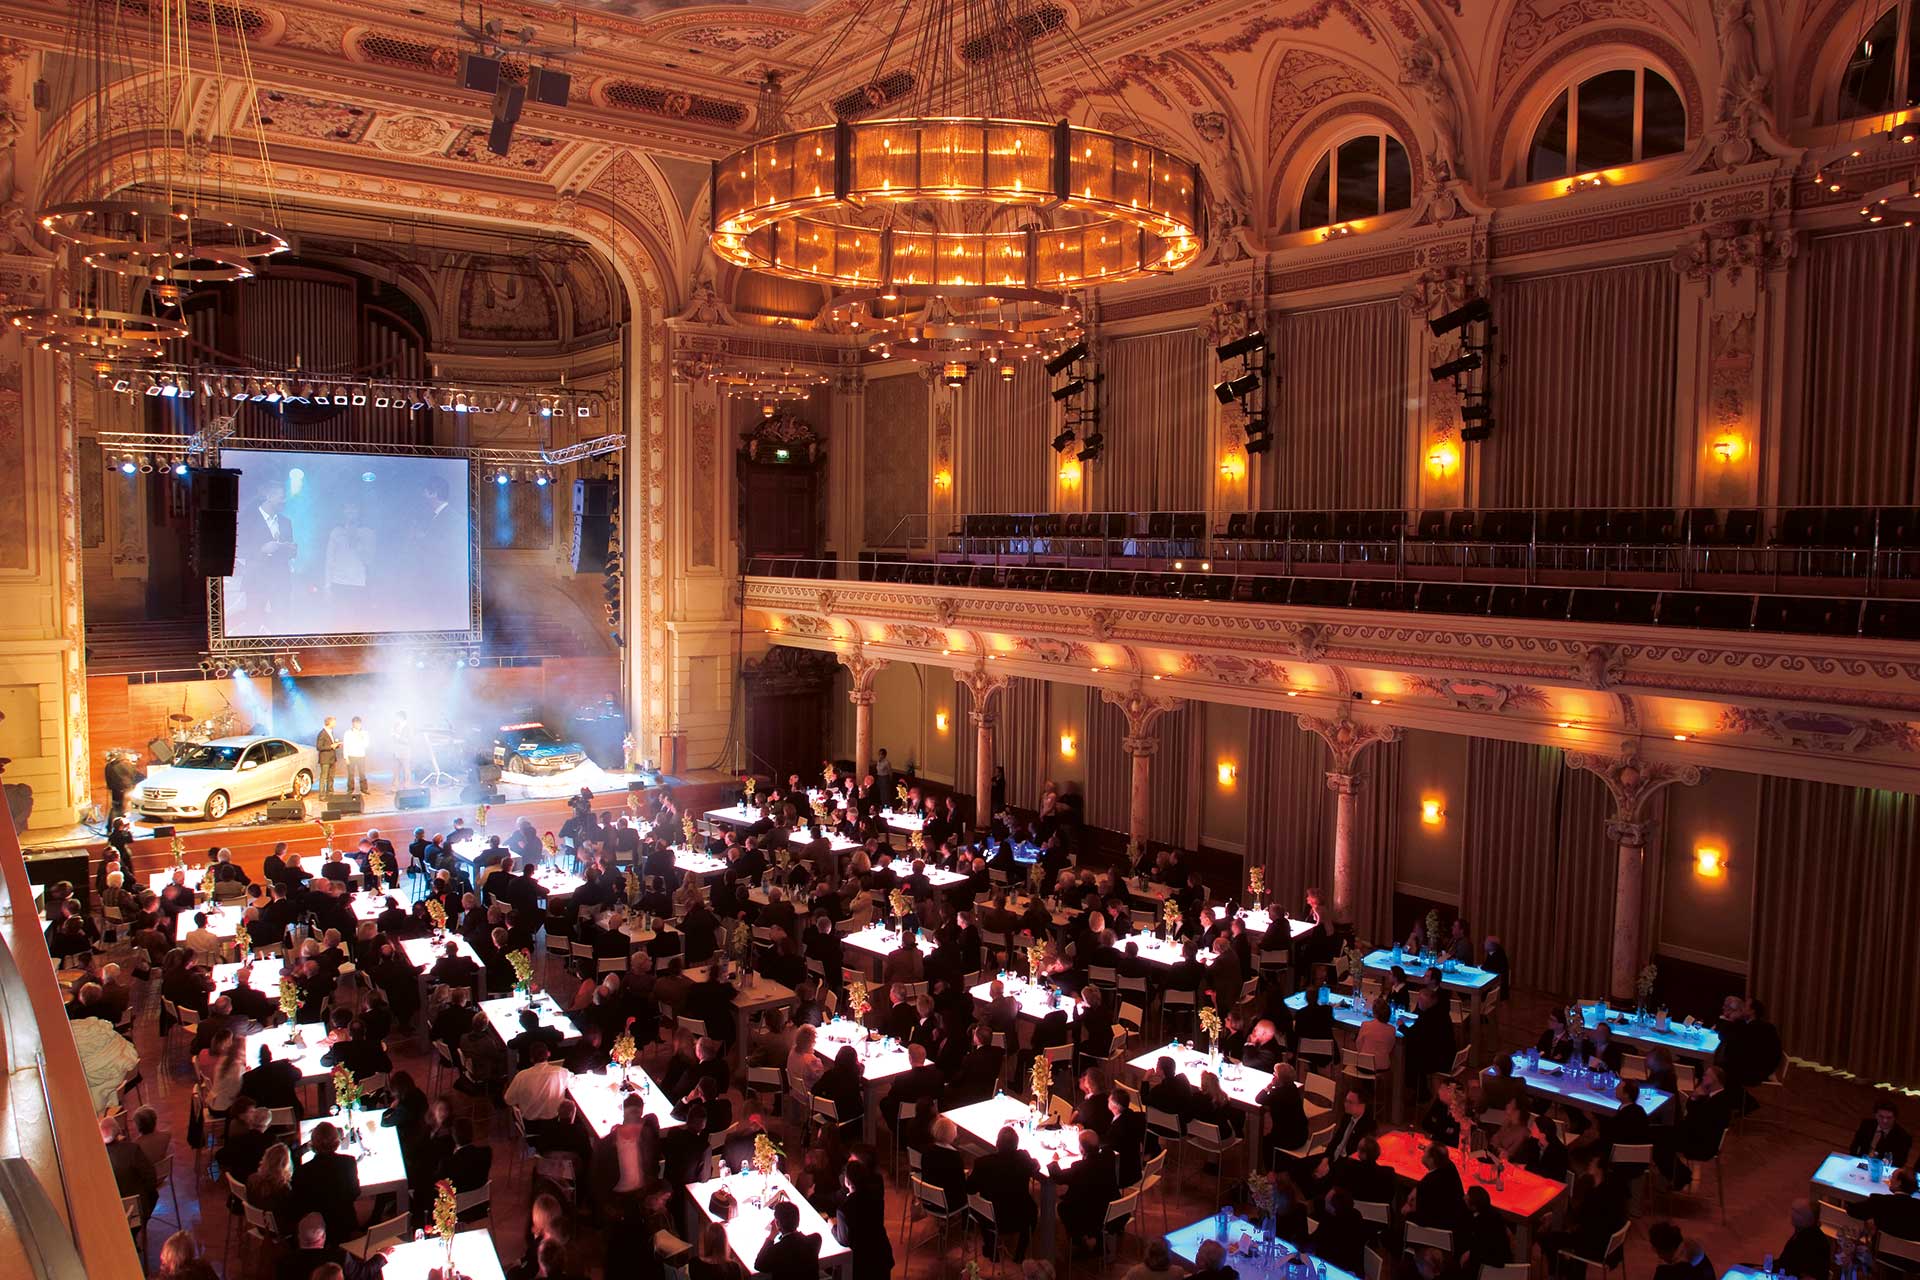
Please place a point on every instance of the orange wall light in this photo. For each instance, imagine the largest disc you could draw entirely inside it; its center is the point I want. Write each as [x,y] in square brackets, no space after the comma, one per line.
[1432,812]
[1709,861]
[1728,448]
[940,721]
[1233,466]
[1070,472]
[1228,772]
[1069,746]
[1443,460]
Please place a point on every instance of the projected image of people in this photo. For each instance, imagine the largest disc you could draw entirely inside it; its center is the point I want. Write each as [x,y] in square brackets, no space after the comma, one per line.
[331,543]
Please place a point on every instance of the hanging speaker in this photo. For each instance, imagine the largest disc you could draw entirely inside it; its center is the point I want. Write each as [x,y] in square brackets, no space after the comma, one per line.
[211,523]
[592,525]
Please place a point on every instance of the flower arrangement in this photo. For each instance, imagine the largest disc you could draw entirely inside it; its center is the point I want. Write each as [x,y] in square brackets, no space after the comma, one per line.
[1433,928]
[437,912]
[1170,912]
[740,942]
[179,849]
[1210,1024]
[624,1051]
[749,783]
[687,828]
[550,844]
[765,1155]
[1355,965]
[1256,880]
[822,813]
[917,842]
[1262,1193]
[377,866]
[242,943]
[900,795]
[206,882]
[1036,877]
[522,962]
[857,1003]
[1036,961]
[1042,1080]
[480,816]
[326,834]
[629,752]
[346,1090]
[289,998]
[827,775]
[446,1217]
[631,883]
[898,901]
[1643,985]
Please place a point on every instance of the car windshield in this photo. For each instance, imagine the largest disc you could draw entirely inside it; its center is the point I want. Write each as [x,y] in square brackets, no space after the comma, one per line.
[539,737]
[207,755]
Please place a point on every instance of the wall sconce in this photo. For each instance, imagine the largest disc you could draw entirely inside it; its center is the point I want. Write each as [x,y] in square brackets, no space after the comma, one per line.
[1430,811]
[1709,861]
[1233,465]
[1229,773]
[940,721]
[943,479]
[1442,460]
[1068,746]
[1585,182]
[1070,472]
[1338,231]
[1729,447]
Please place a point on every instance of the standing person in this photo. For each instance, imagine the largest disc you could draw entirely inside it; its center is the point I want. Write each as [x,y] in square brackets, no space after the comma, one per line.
[354,747]
[349,547]
[122,777]
[326,744]
[401,734]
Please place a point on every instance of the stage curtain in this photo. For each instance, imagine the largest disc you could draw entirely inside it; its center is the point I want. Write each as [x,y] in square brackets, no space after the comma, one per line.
[1173,817]
[1538,870]
[1583,390]
[1289,809]
[1836,894]
[1005,461]
[1154,415]
[1856,436]
[1338,409]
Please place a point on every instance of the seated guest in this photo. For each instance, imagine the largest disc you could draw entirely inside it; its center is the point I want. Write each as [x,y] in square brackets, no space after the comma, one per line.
[1894,1212]
[1807,1254]
[1439,1199]
[1442,1123]
[1601,1053]
[537,1091]
[1881,1135]
[247,1139]
[941,1164]
[1210,1263]
[803,1065]
[788,1253]
[1558,1043]
[133,1173]
[1286,1110]
[919,1080]
[979,1072]
[843,1083]
[1680,1258]
[1341,1237]
[1484,1240]
[1087,1188]
[1596,1208]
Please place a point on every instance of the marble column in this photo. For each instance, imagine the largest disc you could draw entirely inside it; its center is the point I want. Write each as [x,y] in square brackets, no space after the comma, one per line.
[1142,740]
[1345,787]
[862,669]
[984,690]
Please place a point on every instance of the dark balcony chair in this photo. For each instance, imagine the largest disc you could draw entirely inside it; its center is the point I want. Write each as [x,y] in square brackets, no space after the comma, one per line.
[1346,526]
[1269,590]
[1662,527]
[1119,524]
[1529,602]
[1800,528]
[1371,593]
[1461,525]
[1373,526]
[1160,526]
[1452,597]
[1741,528]
[1491,526]
[1150,585]
[1708,610]
[1207,586]
[1266,526]
[1627,527]
[955,575]
[1807,615]
[1110,582]
[1559,527]
[923,575]
[1700,527]
[890,571]
[1891,620]
[1848,531]
[1899,537]
[1190,525]
[988,577]
[1320,593]
[1307,526]
[1238,524]
[1074,580]
[1431,527]
[1606,604]
[1593,529]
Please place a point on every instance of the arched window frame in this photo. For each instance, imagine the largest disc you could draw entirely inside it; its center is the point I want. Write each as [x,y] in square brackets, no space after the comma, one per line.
[1327,144]
[1840,61]
[1567,89]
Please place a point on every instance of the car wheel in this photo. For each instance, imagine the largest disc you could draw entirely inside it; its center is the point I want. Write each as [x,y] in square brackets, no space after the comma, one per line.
[515,764]
[217,805]
[302,783]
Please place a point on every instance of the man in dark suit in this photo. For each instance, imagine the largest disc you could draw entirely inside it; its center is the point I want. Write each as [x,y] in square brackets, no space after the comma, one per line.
[788,1254]
[979,1072]
[1341,1237]
[920,1080]
[455,970]
[1356,1123]
[313,1252]
[266,549]
[133,1173]
[1086,1190]
[328,1183]
[1895,1212]
[326,745]
[1880,1135]
[470,1164]
[274,1083]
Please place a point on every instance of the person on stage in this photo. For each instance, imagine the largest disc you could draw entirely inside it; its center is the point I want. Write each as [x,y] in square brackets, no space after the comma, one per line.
[327,744]
[267,551]
[400,733]
[123,775]
[354,748]
[349,548]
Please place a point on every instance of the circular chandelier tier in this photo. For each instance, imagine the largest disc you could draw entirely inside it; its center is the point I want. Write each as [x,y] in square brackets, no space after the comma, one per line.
[96,331]
[175,243]
[783,384]
[1098,208]
[931,323]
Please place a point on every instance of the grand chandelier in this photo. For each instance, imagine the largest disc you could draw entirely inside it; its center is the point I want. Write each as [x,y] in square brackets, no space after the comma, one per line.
[954,172]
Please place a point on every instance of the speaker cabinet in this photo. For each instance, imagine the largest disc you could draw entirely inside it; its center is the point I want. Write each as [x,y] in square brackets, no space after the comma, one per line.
[286,811]
[211,534]
[415,798]
[592,525]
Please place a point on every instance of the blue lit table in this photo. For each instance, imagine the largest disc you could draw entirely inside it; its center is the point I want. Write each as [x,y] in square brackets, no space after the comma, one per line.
[1552,1081]
[1846,1176]
[1700,1042]
[1469,981]
[1241,1239]
[1350,1013]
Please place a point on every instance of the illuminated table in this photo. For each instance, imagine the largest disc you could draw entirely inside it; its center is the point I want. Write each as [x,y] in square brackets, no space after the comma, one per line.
[1260,921]
[1464,978]
[222,922]
[1526,1197]
[940,877]
[1240,1238]
[1552,1081]
[380,1164]
[503,1015]
[557,882]
[602,1101]
[877,942]
[983,1121]
[905,823]
[1692,1042]
[1034,1001]
[752,993]
[159,880]
[306,1055]
[368,906]
[1350,1013]
[738,815]
[265,977]
[880,1060]
[747,1229]
[692,863]
[1847,1176]
[1159,951]
[473,1256]
[424,953]
[1238,1083]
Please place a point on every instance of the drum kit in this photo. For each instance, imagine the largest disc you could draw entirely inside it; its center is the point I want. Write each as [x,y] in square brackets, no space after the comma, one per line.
[183,728]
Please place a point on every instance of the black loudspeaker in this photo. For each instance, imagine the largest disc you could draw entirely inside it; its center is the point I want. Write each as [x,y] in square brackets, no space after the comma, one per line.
[488,773]
[164,832]
[480,793]
[338,806]
[548,87]
[286,811]
[211,528]
[592,524]
[479,72]
[415,798]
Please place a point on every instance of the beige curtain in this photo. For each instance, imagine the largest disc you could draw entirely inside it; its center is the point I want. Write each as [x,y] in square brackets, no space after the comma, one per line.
[1338,409]
[1154,415]
[1538,870]
[1006,462]
[1376,836]
[1289,809]
[1837,894]
[1856,437]
[1020,741]
[1583,390]
[1172,820]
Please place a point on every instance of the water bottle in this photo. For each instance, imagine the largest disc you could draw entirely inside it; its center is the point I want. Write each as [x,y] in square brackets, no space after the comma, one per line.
[1220,1223]
[1766,1264]
[724,1171]
[1877,1169]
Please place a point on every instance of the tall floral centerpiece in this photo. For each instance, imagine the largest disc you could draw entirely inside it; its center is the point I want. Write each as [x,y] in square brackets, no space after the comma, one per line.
[623,1053]
[1433,930]
[437,912]
[346,1094]
[242,943]
[206,882]
[1644,985]
[522,962]
[178,847]
[1257,884]
[550,844]
[1040,1080]
[740,942]
[1170,912]
[290,1008]
[766,1158]
[687,828]
[857,1001]
[377,868]
[900,797]
[446,1221]
[1210,1027]
[1036,962]
[897,900]
[480,816]
[631,883]
[828,774]
[748,784]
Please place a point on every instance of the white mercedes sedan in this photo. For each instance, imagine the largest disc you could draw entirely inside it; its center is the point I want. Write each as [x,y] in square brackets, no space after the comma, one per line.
[209,779]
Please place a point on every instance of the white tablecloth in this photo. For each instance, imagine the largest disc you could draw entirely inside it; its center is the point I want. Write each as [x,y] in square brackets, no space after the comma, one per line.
[381,1166]
[984,1120]
[503,1014]
[424,953]
[747,1229]
[306,1056]
[265,976]
[1238,1083]
[1034,1001]
[473,1255]
[878,1060]
[221,921]
[602,1101]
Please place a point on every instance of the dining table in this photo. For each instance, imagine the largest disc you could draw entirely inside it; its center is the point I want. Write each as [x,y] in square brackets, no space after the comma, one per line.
[1248,1252]
[881,1060]
[1032,1000]
[503,1015]
[375,1149]
[752,993]
[1850,1178]
[1047,1142]
[1523,1198]
[747,1228]
[1464,979]
[474,1257]
[1685,1039]
[1588,1090]
[602,1097]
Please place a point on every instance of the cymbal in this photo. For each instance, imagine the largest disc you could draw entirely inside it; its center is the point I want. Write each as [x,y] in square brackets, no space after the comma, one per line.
[178,718]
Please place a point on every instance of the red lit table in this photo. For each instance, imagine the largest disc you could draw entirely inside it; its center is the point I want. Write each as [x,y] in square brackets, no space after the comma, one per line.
[1524,1197]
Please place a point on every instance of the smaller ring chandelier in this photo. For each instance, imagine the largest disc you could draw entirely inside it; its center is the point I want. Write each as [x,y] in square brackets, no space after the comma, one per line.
[167,244]
[957,327]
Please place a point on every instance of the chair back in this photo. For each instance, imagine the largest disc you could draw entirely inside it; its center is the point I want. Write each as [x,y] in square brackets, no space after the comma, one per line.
[1132,1016]
[1103,975]
[281,1118]
[1433,1236]
[772,1078]
[825,1109]
[1633,1066]
[1517,1271]
[1892,1246]
[933,1199]
[136,1215]
[1632,1153]
[1365,1062]
[1059,1053]
[1311,1048]
[1375,1211]
[1376,1264]
[1320,1088]
[481,1197]
[1122,1207]
[1164,1123]
[1204,1132]
[1617,1241]
[692,1025]
[981,1208]
[609,964]
[379,1234]
[1177,999]
[1685,1076]
[260,1222]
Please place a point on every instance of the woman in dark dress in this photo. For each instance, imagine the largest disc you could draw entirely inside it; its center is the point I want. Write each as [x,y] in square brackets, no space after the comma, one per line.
[862,1222]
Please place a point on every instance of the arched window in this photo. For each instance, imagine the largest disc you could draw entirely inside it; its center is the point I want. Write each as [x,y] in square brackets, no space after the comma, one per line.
[1362,177]
[1607,120]
[1883,69]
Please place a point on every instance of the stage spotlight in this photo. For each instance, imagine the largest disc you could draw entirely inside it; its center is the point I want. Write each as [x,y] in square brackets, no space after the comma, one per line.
[146,465]
[1236,388]
[1474,433]
[359,399]
[153,388]
[294,661]
[381,401]
[1078,351]
[366,477]
[473,659]
[1259,444]
[546,408]
[341,398]
[1455,367]
[1061,441]
[1474,312]
[1068,390]
[1252,342]
[583,410]
[128,466]
[180,468]
[501,476]
[542,479]
[1090,447]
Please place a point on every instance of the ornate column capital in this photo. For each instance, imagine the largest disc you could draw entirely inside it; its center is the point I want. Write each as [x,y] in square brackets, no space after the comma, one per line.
[1346,784]
[1346,738]
[863,669]
[1142,711]
[1632,781]
[983,685]
[1631,834]
[860,697]
[1146,744]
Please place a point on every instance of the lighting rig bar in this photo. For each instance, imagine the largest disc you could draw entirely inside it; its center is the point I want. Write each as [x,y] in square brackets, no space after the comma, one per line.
[279,388]
[156,450]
